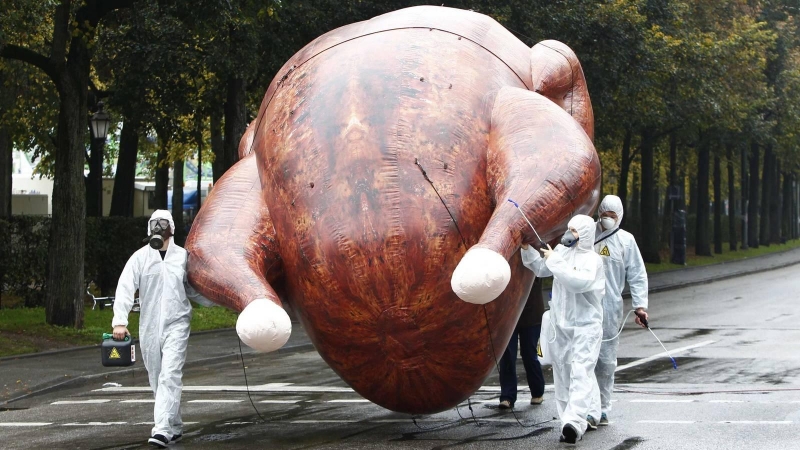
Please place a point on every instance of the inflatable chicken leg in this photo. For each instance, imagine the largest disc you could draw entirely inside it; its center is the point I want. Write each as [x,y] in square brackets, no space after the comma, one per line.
[371,196]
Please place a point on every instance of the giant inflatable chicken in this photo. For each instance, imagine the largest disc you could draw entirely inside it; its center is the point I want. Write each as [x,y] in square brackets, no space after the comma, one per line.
[371,197]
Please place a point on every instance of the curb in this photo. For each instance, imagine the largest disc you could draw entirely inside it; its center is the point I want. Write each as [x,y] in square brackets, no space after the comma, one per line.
[86,347]
[82,380]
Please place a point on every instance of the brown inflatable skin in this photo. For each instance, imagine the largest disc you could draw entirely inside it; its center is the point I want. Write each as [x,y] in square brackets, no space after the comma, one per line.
[329,210]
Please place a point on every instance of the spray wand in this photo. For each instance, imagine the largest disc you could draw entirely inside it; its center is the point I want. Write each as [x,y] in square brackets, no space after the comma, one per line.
[541,242]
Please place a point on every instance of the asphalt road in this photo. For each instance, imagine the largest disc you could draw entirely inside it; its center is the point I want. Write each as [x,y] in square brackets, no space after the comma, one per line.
[737,344]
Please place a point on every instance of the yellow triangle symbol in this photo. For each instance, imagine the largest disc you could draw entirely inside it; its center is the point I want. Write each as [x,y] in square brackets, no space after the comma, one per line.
[605,252]
[114,354]
[539,350]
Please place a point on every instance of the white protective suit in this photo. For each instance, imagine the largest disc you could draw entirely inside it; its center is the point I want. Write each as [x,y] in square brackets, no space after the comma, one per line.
[163,322]
[576,312]
[622,261]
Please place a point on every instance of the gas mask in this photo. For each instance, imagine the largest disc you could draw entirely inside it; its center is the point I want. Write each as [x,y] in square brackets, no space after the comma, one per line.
[607,223]
[569,239]
[159,230]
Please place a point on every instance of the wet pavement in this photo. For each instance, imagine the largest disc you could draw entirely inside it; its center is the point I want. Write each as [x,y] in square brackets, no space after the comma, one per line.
[736,342]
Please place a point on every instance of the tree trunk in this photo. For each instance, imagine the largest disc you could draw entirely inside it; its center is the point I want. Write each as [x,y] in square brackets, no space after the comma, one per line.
[94,180]
[672,181]
[235,120]
[787,206]
[702,242]
[624,171]
[717,205]
[162,177]
[177,201]
[122,197]
[766,183]
[64,288]
[775,202]
[651,241]
[752,211]
[634,206]
[217,144]
[732,240]
[6,172]
[745,196]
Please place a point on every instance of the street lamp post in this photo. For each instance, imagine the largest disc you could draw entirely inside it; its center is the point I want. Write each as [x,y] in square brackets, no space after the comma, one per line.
[100,122]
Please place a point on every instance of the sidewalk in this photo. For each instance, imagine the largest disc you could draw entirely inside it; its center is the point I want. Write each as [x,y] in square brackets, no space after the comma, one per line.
[27,375]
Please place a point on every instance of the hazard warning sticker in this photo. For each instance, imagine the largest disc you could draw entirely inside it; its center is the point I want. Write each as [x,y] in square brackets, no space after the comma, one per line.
[114,354]
[604,251]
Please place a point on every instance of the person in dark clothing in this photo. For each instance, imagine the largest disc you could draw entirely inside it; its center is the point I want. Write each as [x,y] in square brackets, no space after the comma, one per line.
[527,331]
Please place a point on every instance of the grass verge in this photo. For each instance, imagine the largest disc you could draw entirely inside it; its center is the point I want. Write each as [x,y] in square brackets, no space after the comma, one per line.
[23,330]
[693,260]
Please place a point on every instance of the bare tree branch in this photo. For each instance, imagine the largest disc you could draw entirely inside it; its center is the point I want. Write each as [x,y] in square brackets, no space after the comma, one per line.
[58,49]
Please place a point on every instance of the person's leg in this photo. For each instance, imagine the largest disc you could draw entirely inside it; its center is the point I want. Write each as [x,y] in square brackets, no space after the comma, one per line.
[170,383]
[508,371]
[151,355]
[528,339]
[582,389]
[606,366]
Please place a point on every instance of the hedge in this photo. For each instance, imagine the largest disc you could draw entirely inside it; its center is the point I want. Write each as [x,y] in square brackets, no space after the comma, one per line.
[110,241]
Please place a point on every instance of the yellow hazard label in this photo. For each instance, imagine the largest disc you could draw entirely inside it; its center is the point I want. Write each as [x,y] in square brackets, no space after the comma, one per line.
[539,350]
[604,251]
[114,354]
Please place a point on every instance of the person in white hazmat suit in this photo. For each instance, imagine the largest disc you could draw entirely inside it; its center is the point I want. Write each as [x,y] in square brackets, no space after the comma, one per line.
[158,272]
[622,261]
[576,314]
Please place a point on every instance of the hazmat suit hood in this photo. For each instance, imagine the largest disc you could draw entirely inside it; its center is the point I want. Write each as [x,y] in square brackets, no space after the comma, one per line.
[161,214]
[610,203]
[585,227]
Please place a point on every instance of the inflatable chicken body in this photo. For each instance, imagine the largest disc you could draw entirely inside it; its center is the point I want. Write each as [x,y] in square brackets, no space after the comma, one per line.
[371,196]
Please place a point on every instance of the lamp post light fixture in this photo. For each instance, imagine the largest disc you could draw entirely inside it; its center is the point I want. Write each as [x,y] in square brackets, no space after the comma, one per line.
[99,123]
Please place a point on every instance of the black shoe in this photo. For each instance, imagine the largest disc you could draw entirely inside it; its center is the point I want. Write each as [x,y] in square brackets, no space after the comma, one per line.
[159,441]
[176,438]
[591,423]
[569,434]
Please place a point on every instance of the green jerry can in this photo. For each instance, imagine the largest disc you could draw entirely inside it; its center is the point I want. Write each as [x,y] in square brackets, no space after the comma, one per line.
[117,353]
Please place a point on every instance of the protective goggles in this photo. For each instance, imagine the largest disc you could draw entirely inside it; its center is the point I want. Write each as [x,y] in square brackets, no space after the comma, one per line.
[163,223]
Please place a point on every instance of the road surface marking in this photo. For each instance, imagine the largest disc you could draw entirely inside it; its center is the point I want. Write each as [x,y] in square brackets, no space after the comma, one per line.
[215,401]
[92,424]
[80,402]
[24,424]
[667,421]
[757,422]
[355,400]
[673,352]
[139,401]
[660,401]
[281,401]
[324,421]
[271,387]
[726,401]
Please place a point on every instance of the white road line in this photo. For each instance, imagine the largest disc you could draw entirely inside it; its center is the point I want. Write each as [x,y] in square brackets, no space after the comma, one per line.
[757,422]
[24,424]
[355,400]
[92,424]
[324,421]
[271,387]
[660,401]
[153,423]
[215,401]
[726,401]
[667,421]
[674,352]
[139,401]
[280,401]
[80,402]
